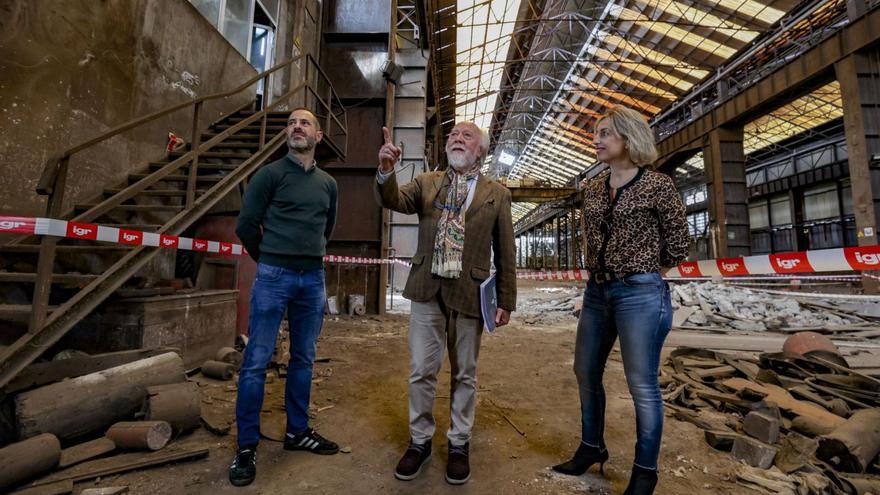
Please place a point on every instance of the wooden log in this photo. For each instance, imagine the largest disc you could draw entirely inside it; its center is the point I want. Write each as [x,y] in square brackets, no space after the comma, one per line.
[76,407]
[150,435]
[85,451]
[853,445]
[39,374]
[179,404]
[218,370]
[27,459]
[229,355]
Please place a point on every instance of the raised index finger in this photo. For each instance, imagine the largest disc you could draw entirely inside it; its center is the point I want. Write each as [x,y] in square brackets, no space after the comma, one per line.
[387,135]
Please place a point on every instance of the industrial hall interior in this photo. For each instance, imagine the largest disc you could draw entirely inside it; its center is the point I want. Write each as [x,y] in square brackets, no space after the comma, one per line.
[440,246]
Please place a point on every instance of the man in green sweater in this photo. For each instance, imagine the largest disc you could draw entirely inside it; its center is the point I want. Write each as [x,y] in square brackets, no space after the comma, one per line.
[288,215]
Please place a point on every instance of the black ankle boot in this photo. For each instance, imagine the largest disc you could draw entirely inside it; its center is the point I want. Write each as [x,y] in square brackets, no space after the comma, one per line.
[585,457]
[641,482]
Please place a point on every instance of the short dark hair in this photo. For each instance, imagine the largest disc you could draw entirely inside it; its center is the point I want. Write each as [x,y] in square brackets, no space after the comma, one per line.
[314,115]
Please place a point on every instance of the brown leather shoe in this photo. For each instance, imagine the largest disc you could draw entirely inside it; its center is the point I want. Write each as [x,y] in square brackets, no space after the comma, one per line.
[458,469]
[412,462]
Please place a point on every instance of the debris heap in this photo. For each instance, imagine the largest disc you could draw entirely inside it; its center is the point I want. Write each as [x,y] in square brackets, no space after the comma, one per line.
[801,424]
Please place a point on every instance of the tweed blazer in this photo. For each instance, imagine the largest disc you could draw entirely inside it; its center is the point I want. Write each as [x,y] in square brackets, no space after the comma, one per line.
[488,230]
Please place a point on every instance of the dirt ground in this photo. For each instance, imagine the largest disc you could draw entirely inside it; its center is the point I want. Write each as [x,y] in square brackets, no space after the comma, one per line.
[524,375]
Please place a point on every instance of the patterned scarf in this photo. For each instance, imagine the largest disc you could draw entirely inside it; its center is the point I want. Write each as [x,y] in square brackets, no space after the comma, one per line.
[449,242]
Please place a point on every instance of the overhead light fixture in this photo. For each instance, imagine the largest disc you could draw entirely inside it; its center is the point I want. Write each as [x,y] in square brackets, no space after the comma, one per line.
[506,158]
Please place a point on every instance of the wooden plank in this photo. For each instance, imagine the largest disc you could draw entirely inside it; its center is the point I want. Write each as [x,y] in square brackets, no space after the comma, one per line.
[62,487]
[122,464]
[85,451]
[718,372]
[784,400]
[682,314]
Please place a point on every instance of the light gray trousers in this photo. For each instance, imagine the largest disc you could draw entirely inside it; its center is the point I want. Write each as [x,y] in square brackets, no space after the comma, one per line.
[431,329]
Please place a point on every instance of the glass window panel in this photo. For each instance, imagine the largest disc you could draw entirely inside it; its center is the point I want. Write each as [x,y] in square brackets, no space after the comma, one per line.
[821,202]
[780,210]
[237,24]
[759,216]
[271,8]
[208,8]
[697,223]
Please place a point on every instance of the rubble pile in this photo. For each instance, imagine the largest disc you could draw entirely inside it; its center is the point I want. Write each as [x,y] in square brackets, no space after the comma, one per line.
[711,304]
[549,304]
[801,424]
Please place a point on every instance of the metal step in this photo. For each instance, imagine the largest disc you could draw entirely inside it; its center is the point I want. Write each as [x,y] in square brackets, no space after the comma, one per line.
[238,135]
[57,278]
[274,129]
[177,178]
[18,312]
[173,193]
[124,207]
[215,154]
[202,166]
[230,145]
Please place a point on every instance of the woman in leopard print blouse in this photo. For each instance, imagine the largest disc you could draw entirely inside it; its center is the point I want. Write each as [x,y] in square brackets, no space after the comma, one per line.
[635,225]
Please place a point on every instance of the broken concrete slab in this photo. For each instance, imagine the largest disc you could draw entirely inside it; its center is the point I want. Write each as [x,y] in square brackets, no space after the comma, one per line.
[762,427]
[795,452]
[720,440]
[753,452]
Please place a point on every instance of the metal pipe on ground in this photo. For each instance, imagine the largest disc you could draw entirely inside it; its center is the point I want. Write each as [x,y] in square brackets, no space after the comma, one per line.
[218,370]
[853,445]
[178,404]
[28,459]
[149,435]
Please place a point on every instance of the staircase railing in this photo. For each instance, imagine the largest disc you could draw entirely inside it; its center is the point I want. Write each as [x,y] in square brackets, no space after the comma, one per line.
[54,178]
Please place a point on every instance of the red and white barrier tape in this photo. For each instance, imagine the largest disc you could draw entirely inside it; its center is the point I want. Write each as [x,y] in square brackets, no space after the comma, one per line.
[825,260]
[87,231]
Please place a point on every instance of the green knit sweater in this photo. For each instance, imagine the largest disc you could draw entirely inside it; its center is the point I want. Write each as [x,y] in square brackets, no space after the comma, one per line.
[288,215]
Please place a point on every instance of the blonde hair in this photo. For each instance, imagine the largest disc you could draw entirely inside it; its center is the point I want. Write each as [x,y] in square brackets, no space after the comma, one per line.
[632,127]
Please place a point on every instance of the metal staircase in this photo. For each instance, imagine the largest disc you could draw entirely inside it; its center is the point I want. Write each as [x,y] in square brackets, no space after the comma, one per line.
[64,280]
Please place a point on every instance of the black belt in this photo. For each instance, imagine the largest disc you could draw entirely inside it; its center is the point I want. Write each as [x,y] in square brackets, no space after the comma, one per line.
[605,277]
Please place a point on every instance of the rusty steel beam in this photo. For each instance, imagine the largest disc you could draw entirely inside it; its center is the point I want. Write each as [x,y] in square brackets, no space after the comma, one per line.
[784,85]
[540,194]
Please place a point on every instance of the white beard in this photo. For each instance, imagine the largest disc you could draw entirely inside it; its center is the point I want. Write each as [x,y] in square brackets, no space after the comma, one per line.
[460,160]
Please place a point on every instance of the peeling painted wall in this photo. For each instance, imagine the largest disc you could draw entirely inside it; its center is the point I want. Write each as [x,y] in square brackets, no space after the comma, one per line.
[71,70]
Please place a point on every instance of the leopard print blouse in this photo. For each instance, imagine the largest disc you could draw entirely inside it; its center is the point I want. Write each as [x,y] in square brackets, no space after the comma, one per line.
[648,228]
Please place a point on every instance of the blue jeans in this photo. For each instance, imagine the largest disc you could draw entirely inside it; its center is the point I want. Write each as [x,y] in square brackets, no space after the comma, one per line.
[638,309]
[276,290]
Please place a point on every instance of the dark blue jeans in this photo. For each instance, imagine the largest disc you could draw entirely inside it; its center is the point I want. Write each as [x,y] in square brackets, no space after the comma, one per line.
[637,309]
[276,290]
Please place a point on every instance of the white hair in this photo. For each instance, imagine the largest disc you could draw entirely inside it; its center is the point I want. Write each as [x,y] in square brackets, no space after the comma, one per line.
[484,137]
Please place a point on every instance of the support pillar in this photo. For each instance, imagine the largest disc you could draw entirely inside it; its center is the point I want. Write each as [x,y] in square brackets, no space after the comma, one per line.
[859,78]
[725,169]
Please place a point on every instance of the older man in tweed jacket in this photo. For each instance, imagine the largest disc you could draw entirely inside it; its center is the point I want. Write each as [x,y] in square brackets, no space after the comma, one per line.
[464,218]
